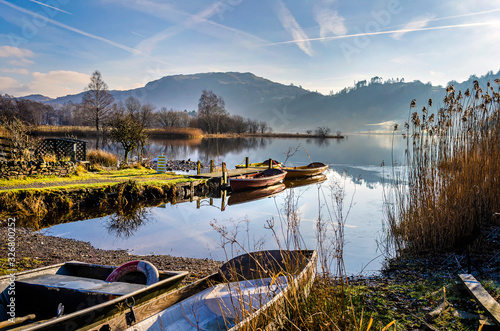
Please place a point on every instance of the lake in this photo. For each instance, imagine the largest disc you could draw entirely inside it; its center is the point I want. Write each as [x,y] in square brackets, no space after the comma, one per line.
[187,229]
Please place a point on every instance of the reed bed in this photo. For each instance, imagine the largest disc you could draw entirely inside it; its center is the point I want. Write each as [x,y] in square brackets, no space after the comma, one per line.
[449,191]
[175,132]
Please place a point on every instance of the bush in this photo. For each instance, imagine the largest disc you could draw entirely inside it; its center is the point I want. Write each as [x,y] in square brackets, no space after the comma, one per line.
[102,158]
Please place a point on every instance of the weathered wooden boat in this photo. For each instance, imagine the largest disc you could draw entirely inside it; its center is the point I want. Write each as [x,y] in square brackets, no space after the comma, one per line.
[311,169]
[252,195]
[70,295]
[262,165]
[264,178]
[304,181]
[249,292]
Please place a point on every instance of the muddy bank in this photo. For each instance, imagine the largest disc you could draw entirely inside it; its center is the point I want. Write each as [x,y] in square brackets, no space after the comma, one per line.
[34,250]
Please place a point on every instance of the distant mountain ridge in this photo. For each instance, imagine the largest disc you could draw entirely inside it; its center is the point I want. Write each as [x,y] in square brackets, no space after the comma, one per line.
[288,108]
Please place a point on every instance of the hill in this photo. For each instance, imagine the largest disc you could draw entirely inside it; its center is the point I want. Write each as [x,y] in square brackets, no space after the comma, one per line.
[368,106]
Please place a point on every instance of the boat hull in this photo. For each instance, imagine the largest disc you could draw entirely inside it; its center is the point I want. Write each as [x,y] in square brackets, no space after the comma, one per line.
[298,267]
[83,291]
[312,169]
[262,179]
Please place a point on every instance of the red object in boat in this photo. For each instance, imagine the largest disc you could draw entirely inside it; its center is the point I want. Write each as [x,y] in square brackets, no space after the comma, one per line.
[262,179]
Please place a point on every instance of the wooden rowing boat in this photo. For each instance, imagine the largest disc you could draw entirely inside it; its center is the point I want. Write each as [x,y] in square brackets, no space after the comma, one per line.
[253,195]
[311,169]
[261,165]
[70,295]
[251,181]
[249,292]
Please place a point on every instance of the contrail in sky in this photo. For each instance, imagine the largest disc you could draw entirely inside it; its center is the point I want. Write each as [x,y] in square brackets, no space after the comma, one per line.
[466,25]
[44,4]
[70,28]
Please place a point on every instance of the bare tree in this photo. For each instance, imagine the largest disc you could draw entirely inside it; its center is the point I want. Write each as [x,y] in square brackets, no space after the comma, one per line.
[322,131]
[97,101]
[211,110]
[263,128]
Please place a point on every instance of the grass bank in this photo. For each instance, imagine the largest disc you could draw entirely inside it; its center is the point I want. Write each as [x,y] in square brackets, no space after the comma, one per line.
[35,202]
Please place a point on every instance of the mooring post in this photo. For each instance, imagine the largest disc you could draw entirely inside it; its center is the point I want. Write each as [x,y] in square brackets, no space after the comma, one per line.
[270,163]
[198,204]
[224,174]
[247,163]
[211,165]
[199,168]
[211,201]
[223,203]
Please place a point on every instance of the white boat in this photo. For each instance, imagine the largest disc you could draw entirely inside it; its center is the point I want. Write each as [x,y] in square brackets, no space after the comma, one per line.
[249,292]
[216,308]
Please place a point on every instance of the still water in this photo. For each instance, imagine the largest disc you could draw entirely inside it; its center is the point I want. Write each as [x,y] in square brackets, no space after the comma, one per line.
[187,229]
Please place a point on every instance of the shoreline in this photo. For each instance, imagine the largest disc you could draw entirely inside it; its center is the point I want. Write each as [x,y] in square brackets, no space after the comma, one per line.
[173,133]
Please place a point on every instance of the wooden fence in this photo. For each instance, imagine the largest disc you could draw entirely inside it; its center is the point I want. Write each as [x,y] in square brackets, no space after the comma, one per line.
[75,149]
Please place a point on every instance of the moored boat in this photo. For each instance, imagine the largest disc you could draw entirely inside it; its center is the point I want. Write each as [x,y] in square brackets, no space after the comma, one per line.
[73,294]
[249,292]
[262,179]
[311,169]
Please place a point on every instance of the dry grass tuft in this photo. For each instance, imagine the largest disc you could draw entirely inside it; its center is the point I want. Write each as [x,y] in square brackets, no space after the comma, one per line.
[102,158]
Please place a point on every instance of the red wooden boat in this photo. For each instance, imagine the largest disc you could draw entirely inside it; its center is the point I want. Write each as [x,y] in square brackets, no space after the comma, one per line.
[262,179]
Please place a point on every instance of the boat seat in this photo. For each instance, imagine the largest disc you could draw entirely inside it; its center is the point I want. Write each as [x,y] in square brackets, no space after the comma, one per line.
[82,284]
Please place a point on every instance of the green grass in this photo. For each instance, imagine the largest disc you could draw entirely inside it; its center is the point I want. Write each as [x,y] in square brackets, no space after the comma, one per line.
[111,177]
[25,263]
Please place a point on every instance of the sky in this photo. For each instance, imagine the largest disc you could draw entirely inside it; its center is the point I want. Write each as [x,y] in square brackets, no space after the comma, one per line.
[51,47]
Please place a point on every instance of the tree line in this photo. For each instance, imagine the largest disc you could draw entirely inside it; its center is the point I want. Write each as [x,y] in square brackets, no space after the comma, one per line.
[126,122]
[98,107]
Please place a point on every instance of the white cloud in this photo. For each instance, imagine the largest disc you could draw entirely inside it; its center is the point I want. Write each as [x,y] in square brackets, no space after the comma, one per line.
[8,84]
[20,62]
[415,25]
[58,83]
[329,20]
[21,71]
[10,51]
[290,24]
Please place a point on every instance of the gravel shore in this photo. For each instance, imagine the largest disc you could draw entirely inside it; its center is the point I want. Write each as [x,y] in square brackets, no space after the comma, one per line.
[51,250]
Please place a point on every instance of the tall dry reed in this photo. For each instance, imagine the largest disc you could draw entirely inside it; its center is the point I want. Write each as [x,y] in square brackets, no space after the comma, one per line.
[449,190]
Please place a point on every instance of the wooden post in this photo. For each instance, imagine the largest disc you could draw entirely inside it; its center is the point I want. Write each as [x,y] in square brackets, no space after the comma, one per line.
[224,174]
[223,203]
[199,168]
[270,163]
[211,201]
[247,162]
[211,165]
[198,204]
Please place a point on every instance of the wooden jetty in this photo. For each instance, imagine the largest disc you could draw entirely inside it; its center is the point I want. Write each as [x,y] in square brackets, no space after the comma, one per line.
[224,172]
[478,292]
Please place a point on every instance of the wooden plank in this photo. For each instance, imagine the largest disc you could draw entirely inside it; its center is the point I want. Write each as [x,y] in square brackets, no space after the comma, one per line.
[482,297]
[232,172]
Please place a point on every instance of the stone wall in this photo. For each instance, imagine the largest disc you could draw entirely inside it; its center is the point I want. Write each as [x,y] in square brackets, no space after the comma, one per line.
[20,169]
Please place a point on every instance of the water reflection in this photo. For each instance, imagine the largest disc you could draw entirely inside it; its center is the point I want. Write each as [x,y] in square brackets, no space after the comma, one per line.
[184,229]
[127,220]
[298,182]
[252,195]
